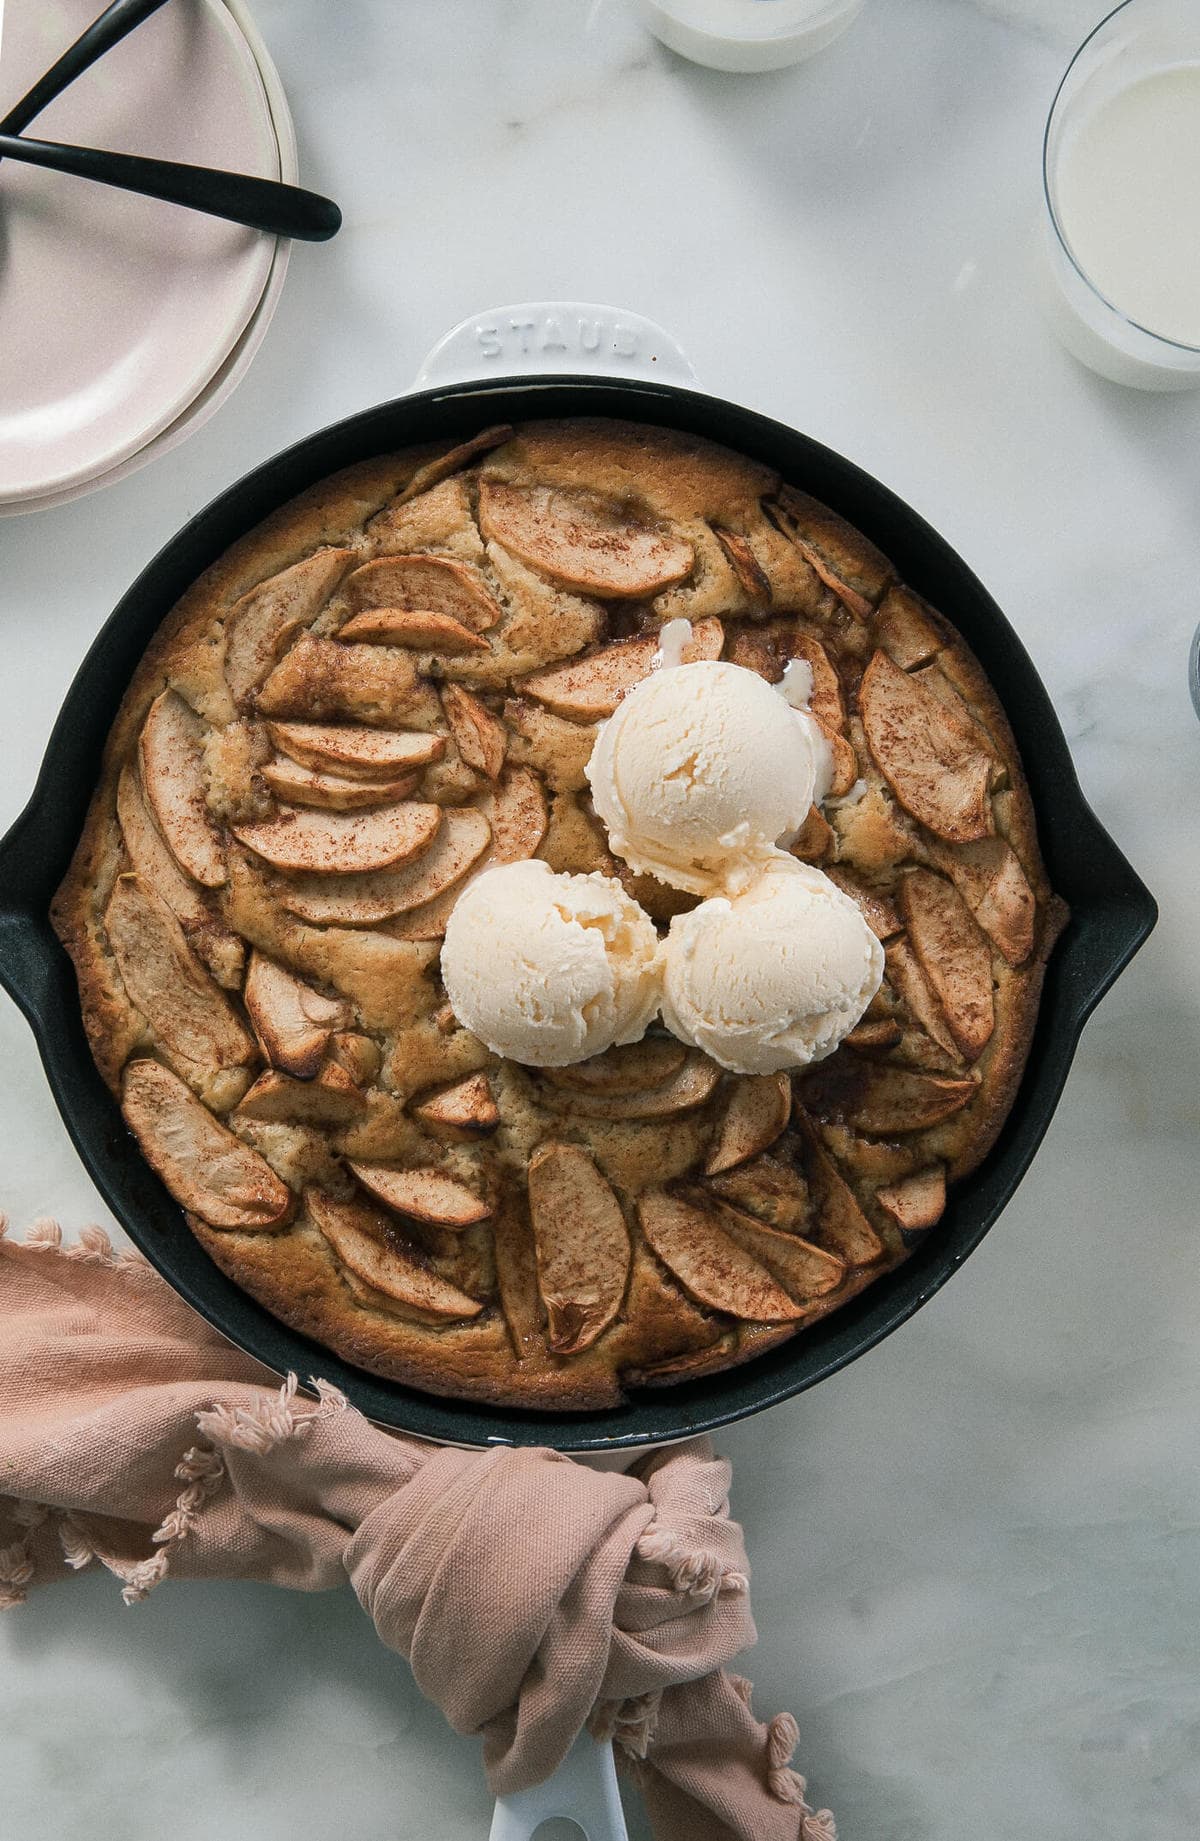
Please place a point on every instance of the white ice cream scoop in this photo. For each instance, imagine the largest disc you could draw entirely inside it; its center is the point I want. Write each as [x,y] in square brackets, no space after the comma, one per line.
[701,771]
[548,969]
[774,977]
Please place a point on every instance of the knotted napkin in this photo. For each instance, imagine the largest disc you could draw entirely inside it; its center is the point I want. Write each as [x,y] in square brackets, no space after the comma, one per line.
[530,1595]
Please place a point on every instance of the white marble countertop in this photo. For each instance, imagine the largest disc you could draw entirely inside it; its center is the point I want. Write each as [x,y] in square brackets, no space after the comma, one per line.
[977,1552]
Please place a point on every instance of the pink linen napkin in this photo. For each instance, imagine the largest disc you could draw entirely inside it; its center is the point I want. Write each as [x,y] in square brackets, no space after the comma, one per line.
[133,1435]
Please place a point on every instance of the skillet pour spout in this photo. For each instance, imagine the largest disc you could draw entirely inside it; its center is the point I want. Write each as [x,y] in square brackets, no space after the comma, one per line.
[1112,912]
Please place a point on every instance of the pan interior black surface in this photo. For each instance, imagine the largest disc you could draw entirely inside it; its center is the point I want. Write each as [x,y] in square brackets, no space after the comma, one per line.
[1112,911]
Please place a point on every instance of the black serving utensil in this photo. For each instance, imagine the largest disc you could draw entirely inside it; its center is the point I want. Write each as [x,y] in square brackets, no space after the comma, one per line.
[262,204]
[114,24]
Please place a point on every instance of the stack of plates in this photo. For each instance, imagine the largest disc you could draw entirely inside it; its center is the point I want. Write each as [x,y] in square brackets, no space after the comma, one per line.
[124,321]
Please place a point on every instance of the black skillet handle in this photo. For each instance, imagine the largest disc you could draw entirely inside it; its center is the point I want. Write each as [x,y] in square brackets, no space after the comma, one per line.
[27,944]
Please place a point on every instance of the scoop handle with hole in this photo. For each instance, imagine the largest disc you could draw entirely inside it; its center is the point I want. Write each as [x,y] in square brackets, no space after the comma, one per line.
[262,204]
[582,1790]
[114,23]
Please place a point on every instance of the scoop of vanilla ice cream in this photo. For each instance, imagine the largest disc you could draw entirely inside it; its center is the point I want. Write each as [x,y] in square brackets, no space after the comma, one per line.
[774,977]
[702,769]
[549,969]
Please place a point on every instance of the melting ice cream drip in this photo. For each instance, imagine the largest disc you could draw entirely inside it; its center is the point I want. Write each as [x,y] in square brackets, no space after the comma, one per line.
[673,640]
[796,689]
[796,684]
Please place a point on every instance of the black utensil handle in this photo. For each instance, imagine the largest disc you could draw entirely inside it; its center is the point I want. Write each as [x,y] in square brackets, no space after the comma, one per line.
[263,204]
[108,30]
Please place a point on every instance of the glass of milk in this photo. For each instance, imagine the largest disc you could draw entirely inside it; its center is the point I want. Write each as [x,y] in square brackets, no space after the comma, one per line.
[1121,166]
[747,34]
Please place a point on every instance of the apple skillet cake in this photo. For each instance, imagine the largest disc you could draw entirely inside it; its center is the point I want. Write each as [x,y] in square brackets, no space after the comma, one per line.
[396,683]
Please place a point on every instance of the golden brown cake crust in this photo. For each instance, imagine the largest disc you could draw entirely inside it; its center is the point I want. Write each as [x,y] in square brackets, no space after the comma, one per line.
[294,814]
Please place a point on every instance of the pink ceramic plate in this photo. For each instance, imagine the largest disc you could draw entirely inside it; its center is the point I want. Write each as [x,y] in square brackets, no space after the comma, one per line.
[116,311]
[228,375]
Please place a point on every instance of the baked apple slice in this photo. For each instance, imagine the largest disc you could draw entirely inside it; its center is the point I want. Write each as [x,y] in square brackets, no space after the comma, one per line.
[430,919]
[876,907]
[711,1267]
[589,543]
[954,956]
[845,762]
[151,860]
[912,987]
[875,1035]
[752,579]
[784,512]
[332,792]
[292,1020]
[850,598]
[629,1069]
[714,1355]
[466,1110]
[769,1189]
[937,678]
[416,628]
[755,1114]
[516,1277]
[332,1099]
[989,877]
[815,838]
[360,1055]
[585,689]
[929,756]
[173,782]
[886,1101]
[757,649]
[918,1201]
[686,1090]
[425,584]
[260,624]
[872,1160]
[840,1224]
[363,901]
[825,700]
[453,461]
[583,1250]
[480,737]
[426,1195]
[676,1328]
[805,1271]
[188,1011]
[555,746]
[207,1169]
[322,680]
[516,811]
[343,843]
[904,630]
[356,753]
[370,1247]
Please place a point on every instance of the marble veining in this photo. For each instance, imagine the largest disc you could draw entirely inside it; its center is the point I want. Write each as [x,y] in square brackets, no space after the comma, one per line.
[977,1552]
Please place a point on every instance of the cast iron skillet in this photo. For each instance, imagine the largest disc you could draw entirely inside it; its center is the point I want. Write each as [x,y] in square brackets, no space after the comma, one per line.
[1112,911]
